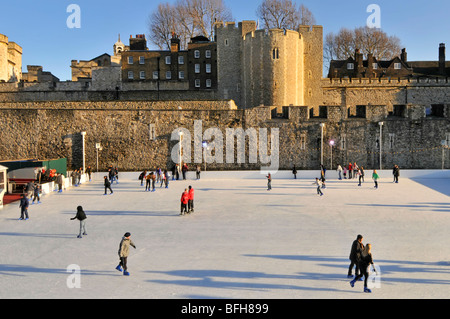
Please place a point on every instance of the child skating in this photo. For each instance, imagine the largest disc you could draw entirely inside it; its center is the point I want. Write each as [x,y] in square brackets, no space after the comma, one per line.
[124,252]
[318,183]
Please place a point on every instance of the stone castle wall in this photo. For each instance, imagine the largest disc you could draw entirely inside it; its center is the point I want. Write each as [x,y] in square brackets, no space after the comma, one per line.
[53,130]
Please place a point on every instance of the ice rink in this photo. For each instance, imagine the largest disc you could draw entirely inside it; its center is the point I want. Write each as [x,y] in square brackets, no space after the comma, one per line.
[242,241]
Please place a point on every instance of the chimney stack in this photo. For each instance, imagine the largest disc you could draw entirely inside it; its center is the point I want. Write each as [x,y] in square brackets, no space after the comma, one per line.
[442,58]
[404,55]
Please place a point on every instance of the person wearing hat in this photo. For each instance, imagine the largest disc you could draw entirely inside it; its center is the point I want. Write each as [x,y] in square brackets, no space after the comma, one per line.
[81,216]
[124,251]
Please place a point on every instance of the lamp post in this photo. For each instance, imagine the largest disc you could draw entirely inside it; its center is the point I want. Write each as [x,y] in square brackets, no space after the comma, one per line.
[381,135]
[321,143]
[83,134]
[331,153]
[98,147]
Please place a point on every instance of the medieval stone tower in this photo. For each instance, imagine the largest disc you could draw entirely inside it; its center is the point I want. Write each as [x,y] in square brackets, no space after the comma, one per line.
[269,67]
[10,60]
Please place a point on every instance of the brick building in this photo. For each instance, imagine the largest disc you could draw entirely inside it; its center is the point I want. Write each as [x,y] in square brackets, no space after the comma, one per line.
[191,69]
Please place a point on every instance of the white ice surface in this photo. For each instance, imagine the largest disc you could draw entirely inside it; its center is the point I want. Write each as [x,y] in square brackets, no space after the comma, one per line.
[242,241]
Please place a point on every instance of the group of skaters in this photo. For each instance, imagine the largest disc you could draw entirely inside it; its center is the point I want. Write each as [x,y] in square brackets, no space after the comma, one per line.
[153,177]
[354,171]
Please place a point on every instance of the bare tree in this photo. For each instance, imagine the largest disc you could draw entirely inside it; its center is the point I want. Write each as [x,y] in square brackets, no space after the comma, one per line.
[374,41]
[186,18]
[162,24]
[283,14]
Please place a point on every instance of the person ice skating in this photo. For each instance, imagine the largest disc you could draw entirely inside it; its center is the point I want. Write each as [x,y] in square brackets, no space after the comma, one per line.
[184,170]
[24,203]
[355,255]
[294,171]
[141,177]
[89,172]
[124,252]
[191,200]
[350,170]
[148,181]
[166,180]
[360,175]
[153,179]
[36,191]
[197,172]
[29,189]
[396,173]
[375,178]
[322,178]
[81,216]
[364,264]
[269,182]
[60,181]
[184,202]
[339,170]
[107,184]
[318,183]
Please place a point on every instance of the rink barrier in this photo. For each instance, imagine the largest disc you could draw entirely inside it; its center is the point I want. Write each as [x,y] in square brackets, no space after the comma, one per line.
[285,174]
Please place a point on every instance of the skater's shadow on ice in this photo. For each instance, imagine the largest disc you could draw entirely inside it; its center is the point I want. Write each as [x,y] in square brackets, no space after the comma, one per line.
[21,270]
[212,279]
[127,213]
[37,235]
[437,207]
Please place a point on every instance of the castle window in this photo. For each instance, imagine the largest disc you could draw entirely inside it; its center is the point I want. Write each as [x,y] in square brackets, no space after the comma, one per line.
[141,60]
[208,83]
[391,140]
[197,54]
[375,66]
[130,60]
[343,142]
[436,110]
[168,75]
[208,68]
[180,59]
[226,42]
[397,66]
[142,75]
[303,142]
[275,54]
[130,75]
[197,68]
[208,54]
[197,83]
[398,111]
[181,75]
[168,61]
[350,66]
[155,75]
[152,132]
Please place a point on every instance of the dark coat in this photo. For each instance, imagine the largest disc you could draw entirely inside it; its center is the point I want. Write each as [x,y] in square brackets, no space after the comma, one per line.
[355,252]
[81,215]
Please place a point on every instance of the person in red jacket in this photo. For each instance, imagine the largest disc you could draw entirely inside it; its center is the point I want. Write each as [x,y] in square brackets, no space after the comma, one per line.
[184,202]
[191,200]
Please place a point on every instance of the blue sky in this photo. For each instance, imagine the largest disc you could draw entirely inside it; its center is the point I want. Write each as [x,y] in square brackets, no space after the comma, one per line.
[40,26]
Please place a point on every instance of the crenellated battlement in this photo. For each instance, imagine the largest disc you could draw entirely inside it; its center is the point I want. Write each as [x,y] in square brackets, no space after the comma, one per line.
[379,82]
